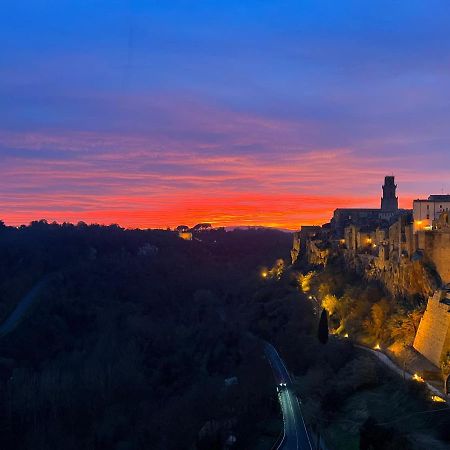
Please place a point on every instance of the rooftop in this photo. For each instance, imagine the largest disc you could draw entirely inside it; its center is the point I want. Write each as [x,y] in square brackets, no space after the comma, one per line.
[439,198]
[435,198]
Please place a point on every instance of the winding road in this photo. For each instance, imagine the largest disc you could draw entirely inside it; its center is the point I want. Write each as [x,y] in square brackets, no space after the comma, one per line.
[295,434]
[403,373]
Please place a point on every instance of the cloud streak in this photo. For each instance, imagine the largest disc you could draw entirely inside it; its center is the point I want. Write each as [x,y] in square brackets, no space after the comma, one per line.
[110,178]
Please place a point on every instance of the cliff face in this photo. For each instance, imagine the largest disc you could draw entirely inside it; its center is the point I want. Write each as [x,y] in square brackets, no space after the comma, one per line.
[296,246]
[318,252]
[401,278]
[405,278]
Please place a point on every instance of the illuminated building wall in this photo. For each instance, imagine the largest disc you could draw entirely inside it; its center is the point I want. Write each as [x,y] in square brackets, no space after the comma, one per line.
[433,336]
[425,211]
[435,245]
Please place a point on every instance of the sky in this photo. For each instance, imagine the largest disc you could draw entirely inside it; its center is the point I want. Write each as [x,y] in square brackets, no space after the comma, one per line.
[161,113]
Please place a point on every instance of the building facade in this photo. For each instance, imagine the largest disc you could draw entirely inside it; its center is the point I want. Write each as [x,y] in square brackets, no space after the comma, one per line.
[388,210]
[433,335]
[425,211]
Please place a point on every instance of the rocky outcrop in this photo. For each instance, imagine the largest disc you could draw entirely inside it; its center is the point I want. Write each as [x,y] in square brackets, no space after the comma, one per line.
[405,278]
[318,252]
[296,246]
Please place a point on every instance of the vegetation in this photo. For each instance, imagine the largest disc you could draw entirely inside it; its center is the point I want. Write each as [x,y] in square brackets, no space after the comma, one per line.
[362,405]
[143,340]
[349,396]
[131,342]
[362,309]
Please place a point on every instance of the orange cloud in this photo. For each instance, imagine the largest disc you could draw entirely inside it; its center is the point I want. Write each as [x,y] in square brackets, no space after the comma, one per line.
[158,181]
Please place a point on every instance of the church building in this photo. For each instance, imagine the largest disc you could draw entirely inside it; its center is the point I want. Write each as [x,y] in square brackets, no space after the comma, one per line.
[389,210]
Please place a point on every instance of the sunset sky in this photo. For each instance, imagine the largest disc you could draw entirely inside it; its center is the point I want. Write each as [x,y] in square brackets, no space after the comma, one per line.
[236,112]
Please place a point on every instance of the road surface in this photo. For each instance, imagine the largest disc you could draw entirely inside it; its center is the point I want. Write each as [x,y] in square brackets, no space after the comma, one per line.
[295,434]
[389,363]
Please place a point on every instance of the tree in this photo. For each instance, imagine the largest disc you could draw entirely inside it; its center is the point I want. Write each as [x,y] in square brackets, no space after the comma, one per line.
[322,332]
[330,303]
[379,313]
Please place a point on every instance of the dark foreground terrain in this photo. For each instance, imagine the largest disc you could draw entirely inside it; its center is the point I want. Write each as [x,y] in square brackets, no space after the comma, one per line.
[129,338]
[115,339]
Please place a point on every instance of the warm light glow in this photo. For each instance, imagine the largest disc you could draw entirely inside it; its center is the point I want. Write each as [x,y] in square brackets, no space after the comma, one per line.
[305,281]
[369,240]
[346,335]
[264,274]
[418,378]
[437,399]
[186,235]
[423,225]
[377,347]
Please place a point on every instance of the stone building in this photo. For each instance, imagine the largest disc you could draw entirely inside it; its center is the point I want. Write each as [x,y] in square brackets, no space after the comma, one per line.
[184,232]
[318,251]
[433,335]
[401,237]
[434,243]
[406,250]
[361,239]
[389,201]
[300,238]
[425,211]
[343,217]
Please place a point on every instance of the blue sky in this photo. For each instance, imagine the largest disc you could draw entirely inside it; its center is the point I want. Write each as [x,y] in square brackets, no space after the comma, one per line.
[133,109]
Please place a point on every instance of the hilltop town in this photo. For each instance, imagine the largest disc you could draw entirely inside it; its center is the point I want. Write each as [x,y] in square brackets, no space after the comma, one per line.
[407,251]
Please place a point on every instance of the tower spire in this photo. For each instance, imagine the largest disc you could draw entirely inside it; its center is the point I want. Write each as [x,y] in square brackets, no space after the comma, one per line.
[389,201]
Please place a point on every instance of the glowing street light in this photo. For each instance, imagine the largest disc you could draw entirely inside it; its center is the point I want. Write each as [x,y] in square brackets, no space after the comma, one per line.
[418,378]
[437,399]
[264,274]
[377,347]
[346,335]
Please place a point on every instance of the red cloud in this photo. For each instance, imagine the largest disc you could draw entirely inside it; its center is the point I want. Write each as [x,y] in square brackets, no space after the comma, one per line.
[160,180]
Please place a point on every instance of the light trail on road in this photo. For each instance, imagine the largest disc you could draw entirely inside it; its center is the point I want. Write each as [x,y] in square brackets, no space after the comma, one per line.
[295,433]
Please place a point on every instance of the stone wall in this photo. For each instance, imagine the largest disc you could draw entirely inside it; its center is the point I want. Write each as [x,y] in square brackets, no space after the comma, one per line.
[300,240]
[403,278]
[436,247]
[389,255]
[318,252]
[295,250]
[433,336]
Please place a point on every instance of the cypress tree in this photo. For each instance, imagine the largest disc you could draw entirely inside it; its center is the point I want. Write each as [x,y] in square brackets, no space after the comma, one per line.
[322,332]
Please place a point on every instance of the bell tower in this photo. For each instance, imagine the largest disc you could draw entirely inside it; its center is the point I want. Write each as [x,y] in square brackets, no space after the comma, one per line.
[389,201]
